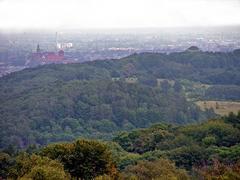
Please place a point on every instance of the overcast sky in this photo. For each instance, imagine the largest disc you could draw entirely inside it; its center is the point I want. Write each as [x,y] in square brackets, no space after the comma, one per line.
[117,13]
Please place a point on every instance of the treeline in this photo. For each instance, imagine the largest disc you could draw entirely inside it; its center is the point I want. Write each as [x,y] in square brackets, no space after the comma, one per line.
[62,111]
[208,150]
[221,92]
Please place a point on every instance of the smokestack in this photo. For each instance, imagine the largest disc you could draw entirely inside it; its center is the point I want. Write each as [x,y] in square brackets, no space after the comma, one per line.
[56,39]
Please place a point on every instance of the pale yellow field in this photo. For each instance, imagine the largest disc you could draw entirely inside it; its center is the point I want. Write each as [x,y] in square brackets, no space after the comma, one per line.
[220,107]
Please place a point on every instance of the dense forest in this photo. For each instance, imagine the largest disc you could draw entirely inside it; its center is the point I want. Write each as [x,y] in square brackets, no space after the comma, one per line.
[207,150]
[98,99]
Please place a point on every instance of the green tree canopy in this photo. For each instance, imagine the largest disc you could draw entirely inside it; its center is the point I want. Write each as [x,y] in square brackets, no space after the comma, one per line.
[160,169]
[37,168]
[83,159]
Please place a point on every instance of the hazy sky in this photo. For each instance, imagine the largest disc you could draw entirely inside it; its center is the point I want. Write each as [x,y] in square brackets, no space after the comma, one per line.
[117,13]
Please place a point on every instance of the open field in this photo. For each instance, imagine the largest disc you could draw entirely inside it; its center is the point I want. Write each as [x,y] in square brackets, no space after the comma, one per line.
[220,107]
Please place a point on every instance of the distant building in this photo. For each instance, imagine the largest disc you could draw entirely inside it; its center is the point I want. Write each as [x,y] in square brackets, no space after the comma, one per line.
[47,57]
[64,45]
[38,49]
[193,49]
[131,80]
[116,79]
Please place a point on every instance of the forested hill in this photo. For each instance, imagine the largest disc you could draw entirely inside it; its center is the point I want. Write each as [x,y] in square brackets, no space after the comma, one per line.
[96,99]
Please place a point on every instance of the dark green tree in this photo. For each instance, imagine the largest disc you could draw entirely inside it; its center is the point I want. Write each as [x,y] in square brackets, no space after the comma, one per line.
[84,159]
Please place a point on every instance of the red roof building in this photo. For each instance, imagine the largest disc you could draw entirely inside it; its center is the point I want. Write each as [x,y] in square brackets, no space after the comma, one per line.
[47,57]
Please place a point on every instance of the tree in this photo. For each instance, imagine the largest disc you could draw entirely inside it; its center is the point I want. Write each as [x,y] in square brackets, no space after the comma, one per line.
[219,171]
[233,119]
[129,70]
[85,159]
[5,164]
[165,86]
[188,156]
[37,168]
[177,86]
[160,169]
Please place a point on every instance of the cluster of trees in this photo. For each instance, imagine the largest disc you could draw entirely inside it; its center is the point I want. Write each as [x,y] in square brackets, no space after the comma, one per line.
[219,171]
[223,92]
[26,166]
[159,169]
[62,111]
[82,159]
[208,150]
[188,146]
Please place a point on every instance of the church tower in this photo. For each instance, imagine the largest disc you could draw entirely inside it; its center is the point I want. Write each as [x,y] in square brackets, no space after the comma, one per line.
[38,49]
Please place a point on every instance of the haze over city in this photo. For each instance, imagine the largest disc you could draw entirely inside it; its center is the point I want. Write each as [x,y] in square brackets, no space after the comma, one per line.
[69,14]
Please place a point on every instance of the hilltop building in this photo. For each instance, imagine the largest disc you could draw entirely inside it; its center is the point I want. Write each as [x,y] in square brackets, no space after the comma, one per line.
[47,57]
[193,49]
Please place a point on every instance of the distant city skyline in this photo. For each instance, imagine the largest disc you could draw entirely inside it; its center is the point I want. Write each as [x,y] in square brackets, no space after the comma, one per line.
[49,14]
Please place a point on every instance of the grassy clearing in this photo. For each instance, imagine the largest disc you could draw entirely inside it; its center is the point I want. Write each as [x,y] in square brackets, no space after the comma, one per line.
[220,107]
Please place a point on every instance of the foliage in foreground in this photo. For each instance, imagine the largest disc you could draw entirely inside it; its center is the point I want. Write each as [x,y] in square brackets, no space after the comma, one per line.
[208,150]
[82,159]
[159,169]
[37,167]
[220,171]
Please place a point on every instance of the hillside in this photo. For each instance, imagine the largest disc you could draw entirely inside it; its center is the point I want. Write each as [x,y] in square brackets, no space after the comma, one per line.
[97,99]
